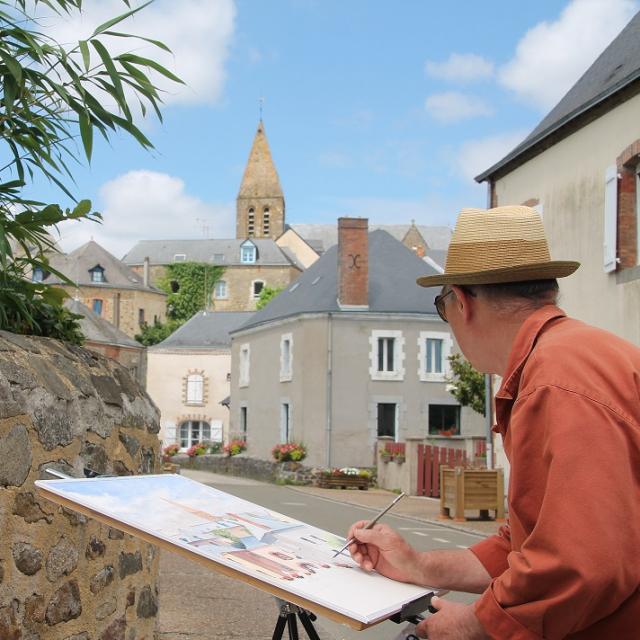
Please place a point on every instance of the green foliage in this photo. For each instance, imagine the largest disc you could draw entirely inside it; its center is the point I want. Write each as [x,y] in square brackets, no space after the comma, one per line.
[189,287]
[266,295]
[50,96]
[151,334]
[467,384]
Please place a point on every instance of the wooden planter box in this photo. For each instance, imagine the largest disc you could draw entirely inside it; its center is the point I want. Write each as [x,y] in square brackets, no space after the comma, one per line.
[343,482]
[466,489]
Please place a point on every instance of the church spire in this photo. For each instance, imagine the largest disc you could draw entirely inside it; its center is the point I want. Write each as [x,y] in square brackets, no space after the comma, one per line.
[260,202]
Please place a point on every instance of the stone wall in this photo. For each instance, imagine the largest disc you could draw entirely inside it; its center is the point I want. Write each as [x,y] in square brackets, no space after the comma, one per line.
[64,576]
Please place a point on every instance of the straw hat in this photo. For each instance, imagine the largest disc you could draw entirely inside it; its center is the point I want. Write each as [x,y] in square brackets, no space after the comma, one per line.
[504,244]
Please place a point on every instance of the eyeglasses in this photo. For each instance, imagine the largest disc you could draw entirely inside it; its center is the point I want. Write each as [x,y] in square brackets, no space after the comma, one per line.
[439,304]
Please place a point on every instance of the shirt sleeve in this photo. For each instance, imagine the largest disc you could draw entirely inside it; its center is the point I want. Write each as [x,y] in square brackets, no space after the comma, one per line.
[580,562]
[493,551]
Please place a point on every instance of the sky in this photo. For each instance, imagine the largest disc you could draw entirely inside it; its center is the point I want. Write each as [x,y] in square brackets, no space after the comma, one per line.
[377,109]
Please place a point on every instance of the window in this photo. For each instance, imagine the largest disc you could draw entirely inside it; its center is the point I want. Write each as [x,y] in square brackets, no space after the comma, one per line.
[434,349]
[245,360]
[387,412]
[243,420]
[140,317]
[444,419]
[256,289]
[247,252]
[251,221]
[96,305]
[195,388]
[286,356]
[285,421]
[175,286]
[265,221]
[220,291]
[97,274]
[218,258]
[194,431]
[179,257]
[37,275]
[386,355]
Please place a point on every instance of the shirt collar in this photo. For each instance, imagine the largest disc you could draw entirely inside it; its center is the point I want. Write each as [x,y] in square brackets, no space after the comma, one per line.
[522,346]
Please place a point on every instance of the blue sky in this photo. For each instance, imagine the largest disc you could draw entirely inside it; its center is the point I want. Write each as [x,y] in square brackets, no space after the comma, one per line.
[383,110]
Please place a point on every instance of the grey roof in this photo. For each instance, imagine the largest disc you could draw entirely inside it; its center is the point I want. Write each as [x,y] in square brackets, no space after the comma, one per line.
[97,329]
[617,67]
[439,257]
[76,265]
[204,250]
[393,269]
[206,329]
[321,237]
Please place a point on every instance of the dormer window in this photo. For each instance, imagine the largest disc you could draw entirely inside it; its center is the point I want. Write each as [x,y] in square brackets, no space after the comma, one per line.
[248,252]
[97,274]
[37,275]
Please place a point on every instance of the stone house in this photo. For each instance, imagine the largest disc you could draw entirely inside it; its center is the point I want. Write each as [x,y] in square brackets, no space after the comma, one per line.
[580,167]
[103,337]
[352,351]
[188,378]
[107,286]
[251,261]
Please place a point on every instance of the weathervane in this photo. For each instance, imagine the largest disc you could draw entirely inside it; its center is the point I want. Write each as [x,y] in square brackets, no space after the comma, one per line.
[261,101]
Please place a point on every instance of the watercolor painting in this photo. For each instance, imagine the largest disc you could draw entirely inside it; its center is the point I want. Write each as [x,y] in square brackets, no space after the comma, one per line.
[266,545]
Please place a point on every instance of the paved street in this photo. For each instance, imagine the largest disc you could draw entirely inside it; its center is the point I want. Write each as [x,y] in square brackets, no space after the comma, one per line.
[196,604]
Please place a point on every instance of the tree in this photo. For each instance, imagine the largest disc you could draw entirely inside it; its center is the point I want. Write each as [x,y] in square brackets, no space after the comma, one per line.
[266,295]
[51,97]
[467,385]
[189,287]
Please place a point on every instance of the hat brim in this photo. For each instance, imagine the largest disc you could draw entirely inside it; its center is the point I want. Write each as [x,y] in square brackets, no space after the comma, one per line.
[520,273]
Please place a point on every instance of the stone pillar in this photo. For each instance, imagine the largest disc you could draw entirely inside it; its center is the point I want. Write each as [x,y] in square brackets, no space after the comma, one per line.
[64,576]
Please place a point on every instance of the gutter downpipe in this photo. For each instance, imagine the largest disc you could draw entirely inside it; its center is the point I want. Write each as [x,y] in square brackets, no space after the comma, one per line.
[329,391]
[488,399]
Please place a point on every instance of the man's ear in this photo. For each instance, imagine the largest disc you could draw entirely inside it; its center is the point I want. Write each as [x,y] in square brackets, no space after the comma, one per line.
[464,302]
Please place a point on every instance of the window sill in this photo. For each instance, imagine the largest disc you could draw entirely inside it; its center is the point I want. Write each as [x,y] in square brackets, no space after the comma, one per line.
[243,385]
[389,377]
[194,404]
[432,377]
[286,378]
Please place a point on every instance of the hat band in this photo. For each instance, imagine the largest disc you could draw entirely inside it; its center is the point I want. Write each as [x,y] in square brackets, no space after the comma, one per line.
[497,254]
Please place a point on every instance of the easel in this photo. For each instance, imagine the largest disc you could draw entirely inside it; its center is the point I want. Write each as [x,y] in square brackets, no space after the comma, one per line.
[289,613]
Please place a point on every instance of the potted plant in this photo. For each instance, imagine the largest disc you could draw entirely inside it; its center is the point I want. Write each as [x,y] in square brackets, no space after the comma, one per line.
[385,455]
[289,451]
[344,478]
[169,451]
[234,447]
[198,449]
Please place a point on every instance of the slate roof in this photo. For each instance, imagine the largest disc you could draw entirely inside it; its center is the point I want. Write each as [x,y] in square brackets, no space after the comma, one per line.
[162,252]
[616,68]
[76,265]
[321,237]
[393,269]
[206,329]
[96,329]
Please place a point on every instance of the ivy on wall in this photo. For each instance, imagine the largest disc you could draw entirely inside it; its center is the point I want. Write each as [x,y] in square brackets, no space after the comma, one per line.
[189,287]
[466,384]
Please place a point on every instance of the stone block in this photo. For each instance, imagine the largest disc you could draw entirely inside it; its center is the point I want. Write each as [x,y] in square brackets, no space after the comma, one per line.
[9,408]
[115,631]
[27,558]
[115,534]
[65,604]
[79,636]
[94,457]
[105,609]
[121,469]
[49,379]
[52,423]
[107,389]
[34,609]
[10,627]
[27,507]
[25,343]
[147,604]
[15,453]
[17,374]
[129,564]
[131,444]
[102,579]
[62,560]
[74,374]
[128,385]
[95,549]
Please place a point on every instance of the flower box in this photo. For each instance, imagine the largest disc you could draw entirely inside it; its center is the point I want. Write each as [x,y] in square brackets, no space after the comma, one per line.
[349,478]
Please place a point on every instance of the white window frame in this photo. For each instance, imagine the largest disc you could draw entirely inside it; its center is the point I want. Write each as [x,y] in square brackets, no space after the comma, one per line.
[447,344]
[189,438]
[245,365]
[398,355]
[610,248]
[396,418]
[248,258]
[194,393]
[225,291]
[179,257]
[243,421]
[252,290]
[286,365]
[286,422]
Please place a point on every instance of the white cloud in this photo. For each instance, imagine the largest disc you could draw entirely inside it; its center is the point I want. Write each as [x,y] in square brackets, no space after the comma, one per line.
[146,205]
[460,67]
[452,106]
[199,33]
[551,56]
[474,156]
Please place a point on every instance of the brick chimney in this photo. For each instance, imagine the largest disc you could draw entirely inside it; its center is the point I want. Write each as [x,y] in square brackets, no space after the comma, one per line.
[353,263]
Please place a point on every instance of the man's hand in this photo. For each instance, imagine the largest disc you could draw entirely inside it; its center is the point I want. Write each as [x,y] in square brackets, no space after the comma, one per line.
[384,550]
[452,622]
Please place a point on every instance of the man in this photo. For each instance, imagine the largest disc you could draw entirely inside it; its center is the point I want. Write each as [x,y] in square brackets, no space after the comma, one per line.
[568,410]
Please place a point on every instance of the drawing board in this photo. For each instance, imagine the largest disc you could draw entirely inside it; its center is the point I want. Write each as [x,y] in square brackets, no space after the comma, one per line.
[274,552]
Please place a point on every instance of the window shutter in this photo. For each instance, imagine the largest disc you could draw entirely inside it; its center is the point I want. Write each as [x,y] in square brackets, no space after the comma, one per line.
[610,219]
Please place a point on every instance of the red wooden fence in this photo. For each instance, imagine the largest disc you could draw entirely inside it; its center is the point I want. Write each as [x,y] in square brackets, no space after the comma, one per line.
[429,461]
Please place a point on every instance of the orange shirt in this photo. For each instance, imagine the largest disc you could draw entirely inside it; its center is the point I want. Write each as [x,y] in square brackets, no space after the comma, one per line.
[568,563]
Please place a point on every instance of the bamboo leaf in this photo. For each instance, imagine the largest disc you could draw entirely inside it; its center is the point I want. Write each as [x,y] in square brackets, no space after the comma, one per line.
[86,55]
[110,23]
[111,69]
[157,43]
[86,133]
[146,62]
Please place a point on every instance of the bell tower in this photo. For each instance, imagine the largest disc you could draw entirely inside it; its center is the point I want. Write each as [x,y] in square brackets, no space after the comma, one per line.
[260,201]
